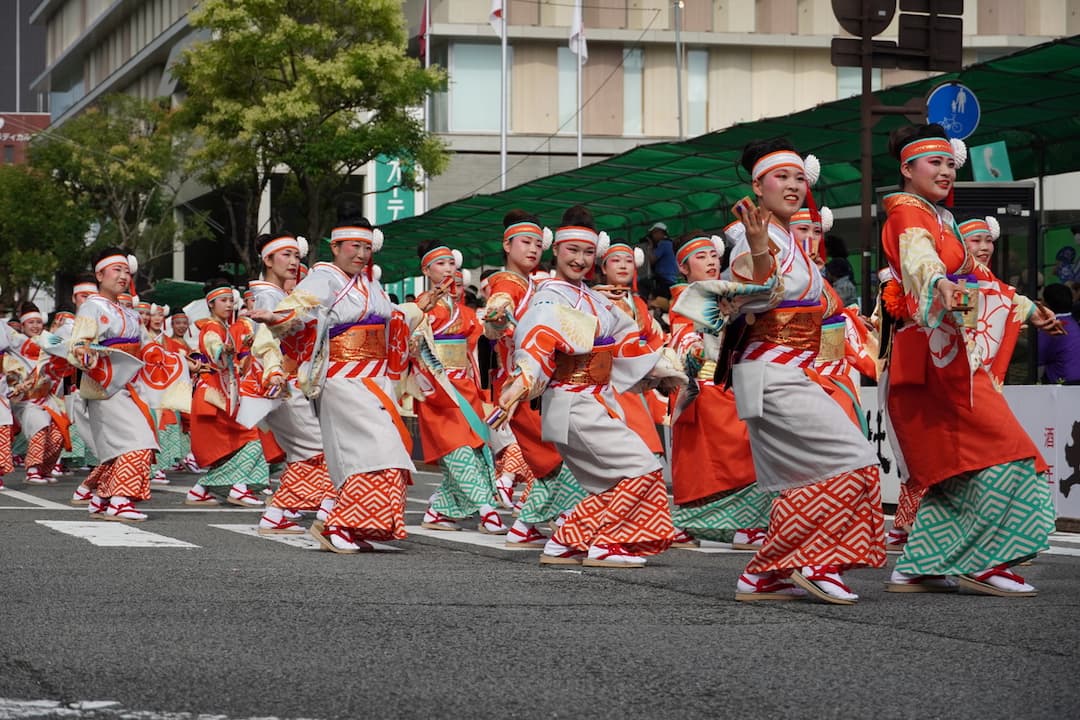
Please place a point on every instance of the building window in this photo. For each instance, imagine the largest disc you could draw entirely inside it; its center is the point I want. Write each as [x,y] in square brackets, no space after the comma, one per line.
[9,154]
[697,92]
[849,81]
[567,90]
[633,63]
[474,87]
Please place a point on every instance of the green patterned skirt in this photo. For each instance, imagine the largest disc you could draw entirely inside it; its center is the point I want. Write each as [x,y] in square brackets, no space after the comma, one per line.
[552,495]
[1000,515]
[468,482]
[718,519]
[247,465]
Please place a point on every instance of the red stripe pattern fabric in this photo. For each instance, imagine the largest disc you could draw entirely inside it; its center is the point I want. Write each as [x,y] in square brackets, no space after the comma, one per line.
[634,514]
[834,522]
[372,505]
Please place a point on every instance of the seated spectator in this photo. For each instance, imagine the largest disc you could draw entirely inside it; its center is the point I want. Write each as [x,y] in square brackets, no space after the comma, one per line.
[1059,355]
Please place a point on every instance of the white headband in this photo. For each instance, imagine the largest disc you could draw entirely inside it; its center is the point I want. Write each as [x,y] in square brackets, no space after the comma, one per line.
[33,315]
[128,260]
[775,160]
[282,243]
[84,288]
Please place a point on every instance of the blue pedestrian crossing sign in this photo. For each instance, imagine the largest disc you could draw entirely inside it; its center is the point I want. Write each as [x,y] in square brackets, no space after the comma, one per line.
[954,107]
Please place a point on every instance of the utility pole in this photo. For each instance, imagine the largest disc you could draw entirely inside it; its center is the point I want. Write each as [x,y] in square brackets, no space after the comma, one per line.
[930,38]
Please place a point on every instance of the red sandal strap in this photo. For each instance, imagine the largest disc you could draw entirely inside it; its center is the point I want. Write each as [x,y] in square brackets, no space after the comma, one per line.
[768,584]
[999,571]
[486,518]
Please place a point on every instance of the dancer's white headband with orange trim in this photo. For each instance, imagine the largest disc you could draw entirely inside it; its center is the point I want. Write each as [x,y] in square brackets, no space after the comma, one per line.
[32,315]
[352,233]
[110,261]
[217,293]
[285,242]
[776,160]
[81,288]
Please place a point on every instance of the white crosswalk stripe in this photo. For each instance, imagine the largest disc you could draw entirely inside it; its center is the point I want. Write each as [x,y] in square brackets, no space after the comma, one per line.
[304,542]
[114,534]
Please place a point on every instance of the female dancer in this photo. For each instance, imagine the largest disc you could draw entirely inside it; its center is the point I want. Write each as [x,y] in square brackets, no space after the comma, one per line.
[712,470]
[553,490]
[232,452]
[452,431]
[353,344]
[828,515]
[120,422]
[305,485]
[40,412]
[572,345]
[984,509]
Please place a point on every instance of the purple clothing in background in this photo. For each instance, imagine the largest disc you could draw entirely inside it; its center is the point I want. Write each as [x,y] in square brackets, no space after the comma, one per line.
[1059,355]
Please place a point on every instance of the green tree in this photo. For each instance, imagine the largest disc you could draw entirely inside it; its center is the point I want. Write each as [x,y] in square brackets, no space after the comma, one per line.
[42,232]
[321,87]
[123,158]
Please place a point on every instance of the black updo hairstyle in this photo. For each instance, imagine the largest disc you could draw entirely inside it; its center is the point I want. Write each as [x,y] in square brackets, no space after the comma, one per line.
[350,215]
[26,307]
[424,246]
[85,277]
[578,216]
[215,284]
[516,216]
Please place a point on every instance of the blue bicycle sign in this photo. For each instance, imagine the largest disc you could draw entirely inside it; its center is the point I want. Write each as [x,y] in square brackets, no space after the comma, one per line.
[955,108]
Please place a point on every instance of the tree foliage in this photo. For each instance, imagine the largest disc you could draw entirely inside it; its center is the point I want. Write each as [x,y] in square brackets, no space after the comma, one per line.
[321,87]
[123,159]
[42,231]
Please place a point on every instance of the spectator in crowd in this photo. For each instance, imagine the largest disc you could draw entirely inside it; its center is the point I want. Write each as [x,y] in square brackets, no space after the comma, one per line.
[836,249]
[838,273]
[660,256]
[1059,355]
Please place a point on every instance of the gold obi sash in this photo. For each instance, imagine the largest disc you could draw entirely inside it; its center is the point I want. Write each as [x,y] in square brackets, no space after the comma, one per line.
[707,371]
[131,348]
[592,368]
[359,342]
[797,327]
[453,351]
[832,339]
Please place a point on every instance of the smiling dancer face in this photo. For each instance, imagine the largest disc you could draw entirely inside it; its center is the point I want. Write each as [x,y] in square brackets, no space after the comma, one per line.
[779,180]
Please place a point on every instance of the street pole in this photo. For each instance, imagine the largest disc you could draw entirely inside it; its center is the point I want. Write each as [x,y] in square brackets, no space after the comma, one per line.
[503,120]
[678,65]
[579,108]
[866,221]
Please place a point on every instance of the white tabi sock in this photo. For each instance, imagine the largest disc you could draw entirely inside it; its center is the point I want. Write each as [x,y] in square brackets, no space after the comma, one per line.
[325,508]
[273,514]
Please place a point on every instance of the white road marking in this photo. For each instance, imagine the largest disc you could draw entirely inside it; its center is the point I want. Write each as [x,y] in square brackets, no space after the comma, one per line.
[1075,552]
[304,542]
[1070,538]
[34,500]
[114,534]
[465,537]
[17,709]
[715,548]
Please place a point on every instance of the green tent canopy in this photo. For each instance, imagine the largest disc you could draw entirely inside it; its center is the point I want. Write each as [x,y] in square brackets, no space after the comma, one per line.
[1030,99]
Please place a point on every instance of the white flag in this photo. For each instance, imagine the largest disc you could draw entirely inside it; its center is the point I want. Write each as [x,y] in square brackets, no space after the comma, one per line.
[578,45]
[495,18]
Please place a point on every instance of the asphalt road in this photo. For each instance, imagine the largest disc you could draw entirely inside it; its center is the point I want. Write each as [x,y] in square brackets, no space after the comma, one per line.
[233,625]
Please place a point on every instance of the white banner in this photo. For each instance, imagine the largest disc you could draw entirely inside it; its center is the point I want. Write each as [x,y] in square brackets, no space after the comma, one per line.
[1049,413]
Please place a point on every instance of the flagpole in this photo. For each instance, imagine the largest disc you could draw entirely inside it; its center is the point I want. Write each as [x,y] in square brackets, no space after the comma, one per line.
[428,99]
[579,106]
[504,95]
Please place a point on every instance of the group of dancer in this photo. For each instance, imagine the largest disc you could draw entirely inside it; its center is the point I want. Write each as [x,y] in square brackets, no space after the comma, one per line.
[758,378]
